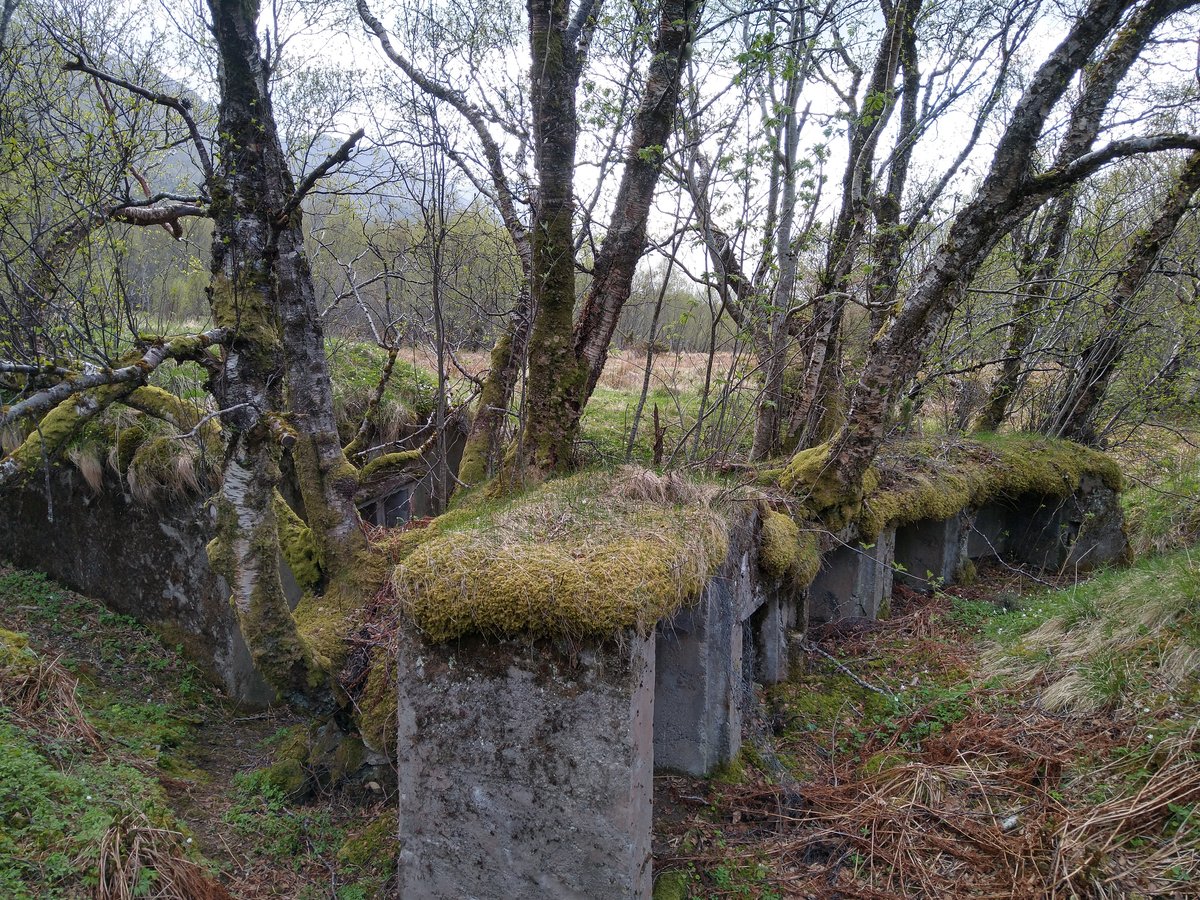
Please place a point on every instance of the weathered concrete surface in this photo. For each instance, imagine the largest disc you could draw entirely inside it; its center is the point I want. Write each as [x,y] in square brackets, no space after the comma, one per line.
[1078,533]
[854,580]
[526,769]
[930,554]
[147,561]
[697,710]
[740,624]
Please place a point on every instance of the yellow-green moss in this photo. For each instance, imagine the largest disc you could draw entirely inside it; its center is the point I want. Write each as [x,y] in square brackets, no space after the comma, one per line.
[811,478]
[785,552]
[588,555]
[375,846]
[377,705]
[298,546]
[15,652]
[938,479]
[288,772]
[384,465]
[128,442]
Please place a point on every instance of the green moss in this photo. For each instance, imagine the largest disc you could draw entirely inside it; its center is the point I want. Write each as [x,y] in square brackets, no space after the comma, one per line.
[883,761]
[376,844]
[382,466]
[937,479]
[785,552]
[377,705]
[672,886]
[298,546]
[288,773]
[816,484]
[15,652]
[57,428]
[128,442]
[588,555]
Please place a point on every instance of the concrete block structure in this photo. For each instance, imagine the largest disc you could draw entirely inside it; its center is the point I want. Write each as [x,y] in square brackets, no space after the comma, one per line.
[854,580]
[526,769]
[929,554]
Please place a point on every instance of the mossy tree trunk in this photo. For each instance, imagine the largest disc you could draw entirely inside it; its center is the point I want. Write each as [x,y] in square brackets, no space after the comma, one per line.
[563,355]
[1009,192]
[555,374]
[1074,415]
[262,291]
[1029,301]
[566,356]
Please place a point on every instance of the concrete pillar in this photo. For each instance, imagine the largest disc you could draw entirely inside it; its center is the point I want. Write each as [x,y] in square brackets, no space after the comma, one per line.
[931,553]
[988,535]
[697,704]
[853,581]
[525,769]
[770,624]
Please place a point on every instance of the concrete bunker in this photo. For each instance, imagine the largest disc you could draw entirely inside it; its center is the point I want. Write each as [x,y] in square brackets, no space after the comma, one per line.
[145,556]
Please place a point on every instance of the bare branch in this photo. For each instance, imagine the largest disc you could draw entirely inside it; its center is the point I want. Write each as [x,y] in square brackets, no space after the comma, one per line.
[339,156]
[181,105]
[135,373]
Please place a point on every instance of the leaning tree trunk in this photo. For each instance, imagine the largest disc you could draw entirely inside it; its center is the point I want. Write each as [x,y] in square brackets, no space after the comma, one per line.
[1031,298]
[565,363]
[1075,414]
[1008,193]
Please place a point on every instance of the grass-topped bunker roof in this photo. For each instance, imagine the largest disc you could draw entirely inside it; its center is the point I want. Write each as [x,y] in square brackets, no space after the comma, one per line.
[936,479]
[585,556]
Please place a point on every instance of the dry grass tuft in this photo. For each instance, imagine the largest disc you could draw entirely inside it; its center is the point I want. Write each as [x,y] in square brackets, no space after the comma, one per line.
[87,461]
[138,860]
[41,693]
[1113,641]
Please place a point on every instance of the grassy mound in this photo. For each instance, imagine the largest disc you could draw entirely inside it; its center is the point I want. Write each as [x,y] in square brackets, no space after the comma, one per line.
[1126,640]
[588,555]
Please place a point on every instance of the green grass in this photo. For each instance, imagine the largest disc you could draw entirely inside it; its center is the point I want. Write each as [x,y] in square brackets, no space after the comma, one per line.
[1165,515]
[1128,639]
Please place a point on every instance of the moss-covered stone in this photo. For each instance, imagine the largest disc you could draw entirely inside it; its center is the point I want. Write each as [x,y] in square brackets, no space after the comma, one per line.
[288,772]
[588,555]
[938,479]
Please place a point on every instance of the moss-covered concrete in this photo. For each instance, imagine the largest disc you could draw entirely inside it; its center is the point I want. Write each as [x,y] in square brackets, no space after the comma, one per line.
[588,555]
[785,552]
[936,479]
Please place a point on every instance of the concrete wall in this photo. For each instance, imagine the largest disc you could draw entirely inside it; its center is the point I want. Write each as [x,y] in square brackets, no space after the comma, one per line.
[854,580]
[147,561]
[706,652]
[526,769]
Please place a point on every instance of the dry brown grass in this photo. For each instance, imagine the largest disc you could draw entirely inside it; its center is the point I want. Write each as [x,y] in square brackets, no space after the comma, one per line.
[624,371]
[41,693]
[138,860]
[1003,800]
